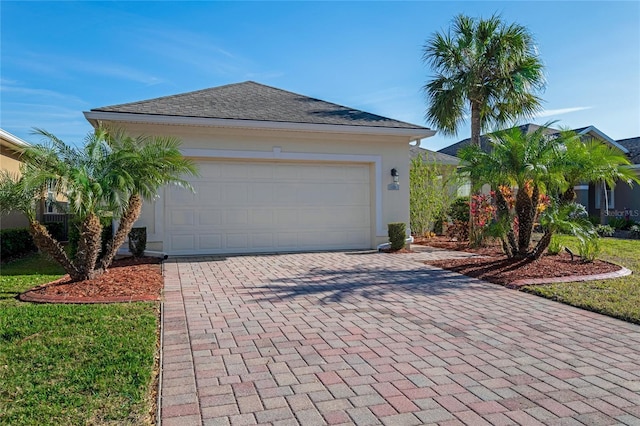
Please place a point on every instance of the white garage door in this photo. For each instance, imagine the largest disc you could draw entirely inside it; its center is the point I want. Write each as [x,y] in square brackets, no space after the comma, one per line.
[251,206]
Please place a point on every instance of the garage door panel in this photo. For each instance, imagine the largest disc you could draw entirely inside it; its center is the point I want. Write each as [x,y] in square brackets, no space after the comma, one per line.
[181,243]
[261,193]
[260,218]
[235,193]
[237,241]
[236,217]
[262,240]
[209,194]
[210,218]
[210,242]
[245,206]
[182,218]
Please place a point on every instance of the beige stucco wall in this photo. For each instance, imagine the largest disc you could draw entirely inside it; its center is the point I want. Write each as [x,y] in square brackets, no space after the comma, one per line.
[392,150]
[9,161]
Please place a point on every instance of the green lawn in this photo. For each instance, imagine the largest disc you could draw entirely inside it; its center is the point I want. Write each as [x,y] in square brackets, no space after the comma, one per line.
[618,297]
[72,364]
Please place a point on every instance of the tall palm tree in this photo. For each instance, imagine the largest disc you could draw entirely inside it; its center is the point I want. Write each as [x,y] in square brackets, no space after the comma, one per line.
[485,69]
[152,162]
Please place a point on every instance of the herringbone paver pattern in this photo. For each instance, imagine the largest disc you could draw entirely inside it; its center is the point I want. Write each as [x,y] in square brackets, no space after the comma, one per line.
[368,338]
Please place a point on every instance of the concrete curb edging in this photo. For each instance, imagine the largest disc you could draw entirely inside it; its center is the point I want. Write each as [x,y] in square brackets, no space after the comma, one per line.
[161,331]
[33,296]
[623,272]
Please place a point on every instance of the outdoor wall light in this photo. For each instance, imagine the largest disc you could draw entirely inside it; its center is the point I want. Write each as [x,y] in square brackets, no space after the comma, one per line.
[395,175]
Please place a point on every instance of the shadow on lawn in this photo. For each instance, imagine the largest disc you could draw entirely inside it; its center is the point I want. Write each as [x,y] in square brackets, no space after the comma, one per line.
[376,283]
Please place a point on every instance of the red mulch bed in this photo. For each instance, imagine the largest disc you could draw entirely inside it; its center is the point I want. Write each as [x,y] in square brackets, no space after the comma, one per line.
[495,267]
[127,280]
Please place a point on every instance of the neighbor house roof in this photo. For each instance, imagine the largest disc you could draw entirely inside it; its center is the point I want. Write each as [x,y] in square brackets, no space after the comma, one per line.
[633,146]
[530,128]
[251,102]
[437,157]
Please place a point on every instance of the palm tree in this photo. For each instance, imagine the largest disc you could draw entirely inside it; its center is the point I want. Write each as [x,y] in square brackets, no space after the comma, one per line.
[95,181]
[107,177]
[535,164]
[517,160]
[484,69]
[152,162]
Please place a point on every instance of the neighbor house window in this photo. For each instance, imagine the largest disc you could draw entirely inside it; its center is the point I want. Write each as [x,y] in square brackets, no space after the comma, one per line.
[610,198]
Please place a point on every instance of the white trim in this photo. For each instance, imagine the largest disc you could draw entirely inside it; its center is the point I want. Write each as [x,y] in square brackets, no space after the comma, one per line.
[277,154]
[13,140]
[581,188]
[413,134]
[605,137]
[609,200]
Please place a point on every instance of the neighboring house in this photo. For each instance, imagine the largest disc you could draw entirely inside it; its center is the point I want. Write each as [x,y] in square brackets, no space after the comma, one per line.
[447,163]
[10,150]
[620,198]
[279,171]
[624,200]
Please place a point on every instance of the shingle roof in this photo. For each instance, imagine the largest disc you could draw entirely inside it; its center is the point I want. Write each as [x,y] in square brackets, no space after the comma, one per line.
[633,145]
[438,157]
[484,139]
[254,101]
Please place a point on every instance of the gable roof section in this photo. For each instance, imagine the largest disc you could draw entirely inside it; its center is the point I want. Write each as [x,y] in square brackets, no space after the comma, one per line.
[438,157]
[252,103]
[633,146]
[530,128]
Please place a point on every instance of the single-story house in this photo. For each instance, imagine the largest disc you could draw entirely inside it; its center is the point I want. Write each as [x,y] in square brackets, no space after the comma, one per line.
[621,200]
[11,148]
[624,200]
[278,171]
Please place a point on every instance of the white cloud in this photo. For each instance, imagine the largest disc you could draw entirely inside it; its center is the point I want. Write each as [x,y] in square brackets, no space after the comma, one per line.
[560,111]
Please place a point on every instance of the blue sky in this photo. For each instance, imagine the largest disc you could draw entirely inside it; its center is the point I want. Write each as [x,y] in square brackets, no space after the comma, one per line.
[62,58]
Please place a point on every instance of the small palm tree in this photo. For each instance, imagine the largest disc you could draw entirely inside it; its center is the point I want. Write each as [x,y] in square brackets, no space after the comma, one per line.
[107,177]
[536,164]
[152,162]
[485,69]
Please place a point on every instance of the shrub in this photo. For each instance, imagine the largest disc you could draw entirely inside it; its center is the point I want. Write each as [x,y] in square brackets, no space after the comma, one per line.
[15,242]
[605,230]
[397,231]
[619,223]
[138,241]
[56,230]
[554,247]
[634,232]
[458,230]
[595,220]
[459,210]
[589,249]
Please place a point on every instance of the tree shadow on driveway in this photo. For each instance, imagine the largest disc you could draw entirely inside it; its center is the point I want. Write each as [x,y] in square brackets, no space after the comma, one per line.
[375,283]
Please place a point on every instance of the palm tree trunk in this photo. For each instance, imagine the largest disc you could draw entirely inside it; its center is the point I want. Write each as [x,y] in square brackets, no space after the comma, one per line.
[604,202]
[47,244]
[475,140]
[510,245]
[542,245]
[524,210]
[127,220]
[89,245]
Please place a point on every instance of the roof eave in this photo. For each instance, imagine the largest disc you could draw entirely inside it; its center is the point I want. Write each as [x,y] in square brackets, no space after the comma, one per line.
[413,134]
[604,137]
[11,141]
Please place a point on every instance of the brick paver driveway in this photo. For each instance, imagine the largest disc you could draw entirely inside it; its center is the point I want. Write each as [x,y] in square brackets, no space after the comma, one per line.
[368,338]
